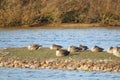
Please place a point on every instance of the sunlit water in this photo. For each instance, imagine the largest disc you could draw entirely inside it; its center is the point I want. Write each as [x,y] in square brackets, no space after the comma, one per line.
[49,74]
[65,37]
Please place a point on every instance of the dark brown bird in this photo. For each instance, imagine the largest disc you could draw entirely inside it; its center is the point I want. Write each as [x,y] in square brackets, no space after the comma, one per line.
[83,47]
[55,47]
[97,49]
[34,46]
[74,49]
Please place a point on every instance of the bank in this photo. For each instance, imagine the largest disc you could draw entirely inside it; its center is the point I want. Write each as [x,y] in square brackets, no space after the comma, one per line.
[46,58]
[62,25]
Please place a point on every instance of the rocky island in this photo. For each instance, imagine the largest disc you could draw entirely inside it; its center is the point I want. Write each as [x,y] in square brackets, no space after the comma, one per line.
[46,58]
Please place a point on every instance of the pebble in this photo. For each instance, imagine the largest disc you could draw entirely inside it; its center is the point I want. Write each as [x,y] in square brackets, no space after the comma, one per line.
[88,65]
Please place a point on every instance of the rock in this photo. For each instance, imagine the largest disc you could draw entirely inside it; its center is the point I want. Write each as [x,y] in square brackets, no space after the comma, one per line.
[1,64]
[42,62]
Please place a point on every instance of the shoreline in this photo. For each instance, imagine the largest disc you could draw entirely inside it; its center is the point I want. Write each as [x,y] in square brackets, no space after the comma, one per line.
[85,65]
[62,25]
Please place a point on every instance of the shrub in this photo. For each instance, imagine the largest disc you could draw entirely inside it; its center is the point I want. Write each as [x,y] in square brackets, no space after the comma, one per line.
[32,12]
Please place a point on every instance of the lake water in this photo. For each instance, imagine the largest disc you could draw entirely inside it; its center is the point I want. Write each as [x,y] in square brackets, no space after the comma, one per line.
[65,37]
[49,74]
[90,36]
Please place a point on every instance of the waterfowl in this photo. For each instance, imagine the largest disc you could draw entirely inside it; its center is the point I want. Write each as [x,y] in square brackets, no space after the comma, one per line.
[116,51]
[110,50]
[74,49]
[62,52]
[97,49]
[34,46]
[55,47]
[83,47]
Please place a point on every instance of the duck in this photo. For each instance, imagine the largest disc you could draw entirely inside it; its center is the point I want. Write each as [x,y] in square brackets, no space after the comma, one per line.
[62,52]
[97,49]
[116,51]
[55,47]
[34,47]
[110,50]
[74,49]
[83,47]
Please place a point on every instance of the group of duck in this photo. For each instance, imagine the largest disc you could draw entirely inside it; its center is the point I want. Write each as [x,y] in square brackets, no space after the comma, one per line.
[64,52]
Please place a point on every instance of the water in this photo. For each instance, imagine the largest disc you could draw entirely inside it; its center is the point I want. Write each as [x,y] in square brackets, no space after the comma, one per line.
[65,37]
[49,74]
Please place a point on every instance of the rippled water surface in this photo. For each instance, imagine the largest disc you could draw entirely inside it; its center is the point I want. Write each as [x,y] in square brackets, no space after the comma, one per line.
[65,37]
[48,74]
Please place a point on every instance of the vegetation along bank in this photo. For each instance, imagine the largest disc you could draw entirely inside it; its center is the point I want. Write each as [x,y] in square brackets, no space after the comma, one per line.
[39,12]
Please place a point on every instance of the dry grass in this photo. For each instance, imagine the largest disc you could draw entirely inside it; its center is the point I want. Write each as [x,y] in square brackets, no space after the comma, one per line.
[37,12]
